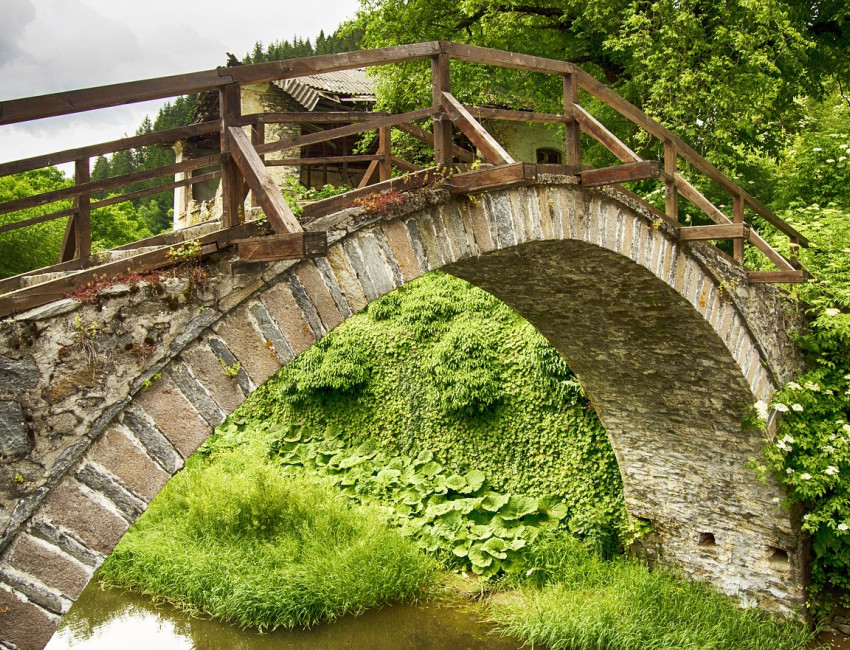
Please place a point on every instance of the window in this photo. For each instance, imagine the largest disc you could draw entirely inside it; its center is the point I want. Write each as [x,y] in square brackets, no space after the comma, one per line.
[548,157]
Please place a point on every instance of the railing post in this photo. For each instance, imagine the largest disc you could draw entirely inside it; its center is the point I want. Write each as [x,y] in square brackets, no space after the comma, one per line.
[671,194]
[440,83]
[258,136]
[77,239]
[230,109]
[572,129]
[385,164]
[738,217]
[793,251]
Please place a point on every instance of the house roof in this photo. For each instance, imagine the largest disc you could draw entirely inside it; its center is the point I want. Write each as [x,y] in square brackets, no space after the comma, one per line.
[338,87]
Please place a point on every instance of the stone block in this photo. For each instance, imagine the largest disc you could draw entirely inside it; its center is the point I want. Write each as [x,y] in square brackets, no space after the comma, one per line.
[281,304]
[209,371]
[24,624]
[122,458]
[14,440]
[248,345]
[319,293]
[49,564]
[174,416]
[396,236]
[18,374]
[346,278]
[480,226]
[88,519]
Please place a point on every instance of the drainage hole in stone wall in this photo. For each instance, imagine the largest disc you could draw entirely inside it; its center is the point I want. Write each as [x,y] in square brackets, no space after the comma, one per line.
[707,539]
[777,555]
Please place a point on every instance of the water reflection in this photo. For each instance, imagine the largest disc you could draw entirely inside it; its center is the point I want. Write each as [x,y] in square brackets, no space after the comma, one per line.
[102,620]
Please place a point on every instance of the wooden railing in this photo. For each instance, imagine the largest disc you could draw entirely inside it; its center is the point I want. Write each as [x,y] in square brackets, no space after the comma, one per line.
[241,162]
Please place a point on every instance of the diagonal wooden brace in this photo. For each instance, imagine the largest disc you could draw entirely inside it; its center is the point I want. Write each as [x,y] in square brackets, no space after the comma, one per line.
[472,129]
[266,191]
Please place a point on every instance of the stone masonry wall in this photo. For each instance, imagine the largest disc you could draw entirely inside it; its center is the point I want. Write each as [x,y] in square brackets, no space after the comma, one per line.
[102,403]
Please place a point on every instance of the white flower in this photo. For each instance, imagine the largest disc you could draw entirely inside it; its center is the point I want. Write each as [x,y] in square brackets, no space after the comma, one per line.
[782,445]
[816,149]
[797,407]
[806,476]
[830,160]
[832,311]
[761,410]
[828,449]
[842,158]
[810,385]
[839,422]
[789,470]
[847,376]
[846,427]
[829,391]
[832,436]
[779,406]
[832,470]
[793,385]
[775,499]
[806,517]
[842,526]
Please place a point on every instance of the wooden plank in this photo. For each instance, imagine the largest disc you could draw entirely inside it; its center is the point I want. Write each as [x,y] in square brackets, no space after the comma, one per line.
[309,65]
[107,183]
[671,194]
[403,164]
[332,204]
[772,254]
[69,240]
[326,160]
[764,277]
[503,59]
[717,231]
[696,197]
[263,186]
[598,132]
[385,144]
[424,136]
[624,173]
[75,101]
[572,129]
[159,137]
[738,217]
[441,83]
[493,152]
[284,246]
[485,113]
[230,109]
[371,170]
[318,117]
[82,218]
[511,175]
[629,110]
[351,129]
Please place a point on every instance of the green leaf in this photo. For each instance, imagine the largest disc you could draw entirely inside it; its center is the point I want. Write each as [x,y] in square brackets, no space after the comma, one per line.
[475,479]
[518,506]
[492,502]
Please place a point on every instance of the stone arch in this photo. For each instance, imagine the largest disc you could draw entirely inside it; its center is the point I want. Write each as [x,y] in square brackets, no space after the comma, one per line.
[669,338]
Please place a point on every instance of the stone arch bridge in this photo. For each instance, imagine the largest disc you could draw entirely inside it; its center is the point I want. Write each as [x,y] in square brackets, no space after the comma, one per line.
[669,338]
[101,402]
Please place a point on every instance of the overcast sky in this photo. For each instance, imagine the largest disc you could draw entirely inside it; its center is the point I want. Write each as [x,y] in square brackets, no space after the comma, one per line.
[48,46]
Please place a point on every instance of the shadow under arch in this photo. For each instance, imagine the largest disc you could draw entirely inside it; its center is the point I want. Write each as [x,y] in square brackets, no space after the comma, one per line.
[669,338]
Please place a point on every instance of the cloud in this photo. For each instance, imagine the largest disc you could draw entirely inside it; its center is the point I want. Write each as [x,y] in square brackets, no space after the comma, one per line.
[17,14]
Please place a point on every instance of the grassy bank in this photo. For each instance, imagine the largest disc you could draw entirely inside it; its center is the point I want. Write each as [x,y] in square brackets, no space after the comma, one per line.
[233,537]
[576,600]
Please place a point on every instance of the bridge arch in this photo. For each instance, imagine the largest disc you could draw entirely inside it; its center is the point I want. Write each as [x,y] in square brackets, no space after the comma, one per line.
[669,338]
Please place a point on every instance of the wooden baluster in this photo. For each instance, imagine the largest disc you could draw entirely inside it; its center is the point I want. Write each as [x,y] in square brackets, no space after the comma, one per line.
[794,249]
[258,136]
[385,164]
[77,239]
[572,129]
[230,109]
[738,217]
[440,83]
[671,194]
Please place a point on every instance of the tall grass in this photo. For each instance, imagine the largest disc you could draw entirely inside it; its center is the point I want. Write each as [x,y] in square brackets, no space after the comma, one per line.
[239,540]
[577,600]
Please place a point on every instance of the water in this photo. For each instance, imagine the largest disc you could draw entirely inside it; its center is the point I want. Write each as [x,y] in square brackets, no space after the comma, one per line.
[109,619]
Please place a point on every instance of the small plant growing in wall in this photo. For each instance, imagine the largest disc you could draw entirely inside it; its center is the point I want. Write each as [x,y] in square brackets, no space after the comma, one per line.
[150,381]
[232,370]
[381,202]
[83,345]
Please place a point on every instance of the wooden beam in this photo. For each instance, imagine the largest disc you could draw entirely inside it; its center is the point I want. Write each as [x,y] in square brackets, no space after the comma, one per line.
[371,170]
[511,175]
[572,129]
[107,183]
[738,217]
[263,186]
[717,231]
[485,113]
[764,277]
[478,135]
[772,254]
[441,83]
[624,173]
[318,117]
[424,136]
[230,109]
[327,160]
[159,137]
[671,194]
[598,132]
[696,197]
[385,144]
[284,246]
[351,129]
[503,59]
[82,218]
[403,164]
